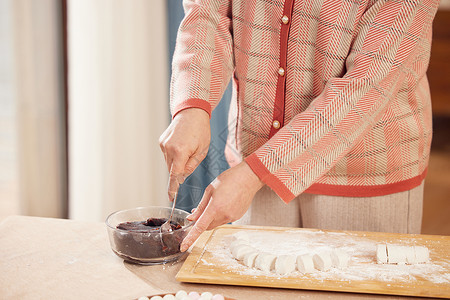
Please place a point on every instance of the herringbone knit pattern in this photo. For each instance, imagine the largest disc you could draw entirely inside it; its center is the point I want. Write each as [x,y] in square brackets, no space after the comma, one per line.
[351,97]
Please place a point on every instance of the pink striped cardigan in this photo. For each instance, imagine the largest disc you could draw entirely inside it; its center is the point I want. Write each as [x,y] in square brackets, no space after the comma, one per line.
[329,96]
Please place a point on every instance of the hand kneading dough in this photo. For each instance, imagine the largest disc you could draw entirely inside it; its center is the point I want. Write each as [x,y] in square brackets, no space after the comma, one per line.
[239,251]
[339,259]
[265,261]
[285,264]
[249,258]
[305,263]
[381,254]
[422,254]
[322,261]
[396,254]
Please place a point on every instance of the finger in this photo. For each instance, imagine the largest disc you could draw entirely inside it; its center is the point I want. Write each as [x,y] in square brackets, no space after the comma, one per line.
[192,164]
[202,205]
[199,227]
[176,176]
[192,210]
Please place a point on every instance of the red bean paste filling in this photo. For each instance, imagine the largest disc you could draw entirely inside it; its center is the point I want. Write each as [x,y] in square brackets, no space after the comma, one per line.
[149,225]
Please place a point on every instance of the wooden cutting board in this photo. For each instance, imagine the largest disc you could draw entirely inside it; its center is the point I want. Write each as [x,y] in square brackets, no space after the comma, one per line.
[208,263]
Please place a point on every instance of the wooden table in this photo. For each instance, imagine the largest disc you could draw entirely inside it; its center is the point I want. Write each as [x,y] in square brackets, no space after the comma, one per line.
[45,258]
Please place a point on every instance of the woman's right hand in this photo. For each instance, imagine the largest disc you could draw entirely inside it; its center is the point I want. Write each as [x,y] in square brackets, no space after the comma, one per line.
[185,144]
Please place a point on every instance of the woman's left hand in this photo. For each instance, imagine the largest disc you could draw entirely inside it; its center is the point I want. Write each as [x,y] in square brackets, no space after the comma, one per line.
[225,200]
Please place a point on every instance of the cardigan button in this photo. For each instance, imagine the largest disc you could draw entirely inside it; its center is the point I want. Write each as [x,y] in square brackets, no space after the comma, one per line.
[281,71]
[276,124]
[285,19]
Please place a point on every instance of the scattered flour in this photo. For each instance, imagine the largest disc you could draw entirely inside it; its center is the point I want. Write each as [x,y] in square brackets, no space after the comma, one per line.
[362,265]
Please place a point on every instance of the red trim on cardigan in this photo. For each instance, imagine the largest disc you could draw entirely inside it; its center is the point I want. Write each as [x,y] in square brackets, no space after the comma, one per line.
[278,109]
[366,191]
[331,190]
[268,178]
[193,103]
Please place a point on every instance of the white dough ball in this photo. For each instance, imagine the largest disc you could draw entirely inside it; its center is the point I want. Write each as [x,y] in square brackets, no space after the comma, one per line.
[180,294]
[322,261]
[217,297]
[156,298]
[169,297]
[249,258]
[305,263]
[265,261]
[206,296]
[285,264]
[194,295]
[339,259]
[382,254]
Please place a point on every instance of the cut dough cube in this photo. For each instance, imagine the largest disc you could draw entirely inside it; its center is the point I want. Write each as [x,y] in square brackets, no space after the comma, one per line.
[239,251]
[322,261]
[396,254]
[382,254]
[265,261]
[422,254]
[305,263]
[249,258]
[339,259]
[240,235]
[285,264]
[410,255]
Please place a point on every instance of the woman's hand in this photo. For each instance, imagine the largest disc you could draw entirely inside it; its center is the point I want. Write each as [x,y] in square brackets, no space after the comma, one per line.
[185,144]
[225,200]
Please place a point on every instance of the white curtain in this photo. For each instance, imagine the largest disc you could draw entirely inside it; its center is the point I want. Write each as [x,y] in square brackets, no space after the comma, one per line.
[118,105]
[39,103]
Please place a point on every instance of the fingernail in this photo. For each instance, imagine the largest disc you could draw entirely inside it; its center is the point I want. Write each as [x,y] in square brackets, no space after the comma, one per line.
[183,247]
[190,217]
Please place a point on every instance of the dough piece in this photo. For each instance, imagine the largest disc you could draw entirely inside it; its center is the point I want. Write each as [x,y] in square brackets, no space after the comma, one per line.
[410,255]
[339,259]
[422,254]
[206,296]
[240,235]
[239,251]
[322,261]
[265,261]
[249,258]
[396,254]
[194,295]
[156,298]
[382,254]
[305,263]
[285,264]
[169,297]
[237,243]
[181,294]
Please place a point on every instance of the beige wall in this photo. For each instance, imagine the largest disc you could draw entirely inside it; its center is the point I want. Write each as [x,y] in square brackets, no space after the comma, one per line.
[118,79]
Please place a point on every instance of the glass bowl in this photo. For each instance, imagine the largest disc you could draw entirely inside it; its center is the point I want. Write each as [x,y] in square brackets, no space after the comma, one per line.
[147,247]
